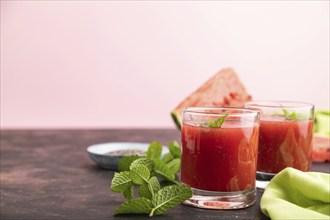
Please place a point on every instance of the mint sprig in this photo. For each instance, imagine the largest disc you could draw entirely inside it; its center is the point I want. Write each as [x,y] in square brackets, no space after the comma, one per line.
[215,123]
[289,116]
[142,172]
[293,116]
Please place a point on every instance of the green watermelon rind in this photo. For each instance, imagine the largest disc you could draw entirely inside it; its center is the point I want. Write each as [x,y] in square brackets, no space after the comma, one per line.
[176,116]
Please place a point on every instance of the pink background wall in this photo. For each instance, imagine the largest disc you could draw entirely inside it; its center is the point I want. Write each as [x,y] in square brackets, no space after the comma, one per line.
[128,64]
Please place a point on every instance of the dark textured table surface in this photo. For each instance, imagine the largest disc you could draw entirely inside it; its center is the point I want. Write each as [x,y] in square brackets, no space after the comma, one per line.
[47,174]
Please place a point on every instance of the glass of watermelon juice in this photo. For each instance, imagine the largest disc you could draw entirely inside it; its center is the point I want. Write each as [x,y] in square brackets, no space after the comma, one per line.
[219,156]
[285,139]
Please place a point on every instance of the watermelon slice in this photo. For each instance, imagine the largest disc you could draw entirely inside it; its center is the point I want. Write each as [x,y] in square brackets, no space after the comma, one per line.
[321,140]
[224,89]
[321,149]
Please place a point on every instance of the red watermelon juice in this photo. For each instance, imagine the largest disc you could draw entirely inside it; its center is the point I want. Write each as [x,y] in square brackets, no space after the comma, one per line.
[219,159]
[285,143]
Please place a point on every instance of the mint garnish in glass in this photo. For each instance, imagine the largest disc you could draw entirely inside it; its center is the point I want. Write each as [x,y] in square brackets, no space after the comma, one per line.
[215,123]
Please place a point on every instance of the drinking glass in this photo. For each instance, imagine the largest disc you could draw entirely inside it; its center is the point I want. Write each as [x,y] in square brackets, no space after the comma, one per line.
[285,139]
[219,162]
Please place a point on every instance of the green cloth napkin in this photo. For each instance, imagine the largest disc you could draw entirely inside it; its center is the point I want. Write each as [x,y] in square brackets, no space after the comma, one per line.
[293,194]
[322,122]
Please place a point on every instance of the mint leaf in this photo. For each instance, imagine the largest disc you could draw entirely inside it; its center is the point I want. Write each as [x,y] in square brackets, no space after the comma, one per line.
[210,124]
[153,182]
[145,188]
[125,162]
[219,121]
[175,149]
[139,205]
[169,197]
[155,150]
[285,112]
[120,182]
[216,123]
[293,116]
[139,173]
[174,165]
[129,191]
[144,191]
[144,161]
[163,170]
[167,157]
[289,116]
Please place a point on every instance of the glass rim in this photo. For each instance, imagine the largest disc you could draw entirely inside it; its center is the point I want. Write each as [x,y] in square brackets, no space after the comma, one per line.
[203,111]
[277,104]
